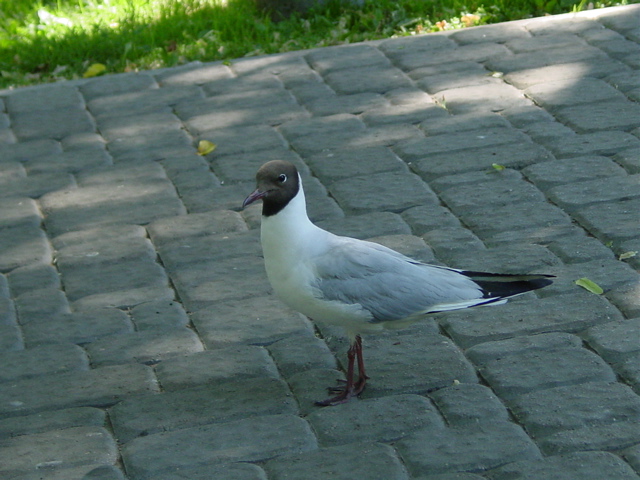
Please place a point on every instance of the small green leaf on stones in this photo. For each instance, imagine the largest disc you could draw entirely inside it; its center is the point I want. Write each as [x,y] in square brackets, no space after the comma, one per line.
[625,255]
[589,285]
[498,167]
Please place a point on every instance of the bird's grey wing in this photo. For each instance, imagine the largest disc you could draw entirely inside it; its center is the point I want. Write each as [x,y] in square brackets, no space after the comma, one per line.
[386,283]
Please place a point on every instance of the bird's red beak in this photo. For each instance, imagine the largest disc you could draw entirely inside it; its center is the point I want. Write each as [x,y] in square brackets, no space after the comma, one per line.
[257,195]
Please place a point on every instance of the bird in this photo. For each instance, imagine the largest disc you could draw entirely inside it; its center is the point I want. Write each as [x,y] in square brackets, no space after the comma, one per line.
[361,286]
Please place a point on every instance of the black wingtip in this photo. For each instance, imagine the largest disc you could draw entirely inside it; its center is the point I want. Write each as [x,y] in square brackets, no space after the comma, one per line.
[505,285]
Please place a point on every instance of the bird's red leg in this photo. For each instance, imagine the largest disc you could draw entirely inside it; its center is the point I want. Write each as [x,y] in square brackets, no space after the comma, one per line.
[362,374]
[350,389]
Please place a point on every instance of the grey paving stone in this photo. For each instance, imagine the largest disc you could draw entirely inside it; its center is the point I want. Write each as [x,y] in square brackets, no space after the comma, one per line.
[629,159]
[517,366]
[561,313]
[469,404]
[413,150]
[205,471]
[465,122]
[229,111]
[139,201]
[596,143]
[435,84]
[244,139]
[632,456]
[449,242]
[196,74]
[408,96]
[148,347]
[200,285]
[615,341]
[379,192]
[580,194]
[548,174]
[607,437]
[574,407]
[7,311]
[243,167]
[153,127]
[19,211]
[375,461]
[45,98]
[355,103]
[251,439]
[340,163]
[496,191]
[571,91]
[54,420]
[415,360]
[385,419]
[420,43]
[301,353]
[405,114]
[505,32]
[71,161]
[463,67]
[472,448]
[158,315]
[578,249]
[423,219]
[583,465]
[544,42]
[78,327]
[177,254]
[609,115]
[451,476]
[95,388]
[78,142]
[42,360]
[328,60]
[385,135]
[258,320]
[630,372]
[368,225]
[55,124]
[144,101]
[22,151]
[40,304]
[117,84]
[10,337]
[38,184]
[98,277]
[203,405]
[551,56]
[332,124]
[311,91]
[611,220]
[520,215]
[492,97]
[237,363]
[59,449]
[376,79]
[411,59]
[21,246]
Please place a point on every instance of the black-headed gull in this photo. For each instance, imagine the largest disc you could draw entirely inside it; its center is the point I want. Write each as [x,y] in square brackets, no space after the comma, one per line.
[361,286]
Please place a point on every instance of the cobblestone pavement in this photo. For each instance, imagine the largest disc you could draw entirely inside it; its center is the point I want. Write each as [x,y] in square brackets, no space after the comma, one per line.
[139,338]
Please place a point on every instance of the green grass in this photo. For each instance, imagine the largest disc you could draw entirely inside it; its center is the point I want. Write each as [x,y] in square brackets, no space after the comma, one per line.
[49,40]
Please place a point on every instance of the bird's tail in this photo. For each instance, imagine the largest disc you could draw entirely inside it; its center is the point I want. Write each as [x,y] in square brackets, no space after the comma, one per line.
[496,285]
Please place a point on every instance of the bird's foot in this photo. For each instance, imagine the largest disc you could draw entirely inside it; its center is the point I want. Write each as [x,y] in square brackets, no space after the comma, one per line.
[344,393]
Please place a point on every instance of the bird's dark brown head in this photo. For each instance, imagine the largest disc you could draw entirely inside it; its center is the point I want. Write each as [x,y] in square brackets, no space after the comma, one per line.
[277,183]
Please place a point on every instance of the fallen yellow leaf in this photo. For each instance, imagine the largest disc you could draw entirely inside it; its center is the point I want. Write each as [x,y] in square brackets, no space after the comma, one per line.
[94,70]
[205,147]
[625,255]
[589,285]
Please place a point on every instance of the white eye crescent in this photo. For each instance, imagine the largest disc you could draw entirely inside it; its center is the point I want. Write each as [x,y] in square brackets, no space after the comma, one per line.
[282,178]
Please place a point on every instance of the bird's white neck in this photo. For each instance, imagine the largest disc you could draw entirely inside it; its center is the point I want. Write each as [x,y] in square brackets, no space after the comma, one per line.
[289,230]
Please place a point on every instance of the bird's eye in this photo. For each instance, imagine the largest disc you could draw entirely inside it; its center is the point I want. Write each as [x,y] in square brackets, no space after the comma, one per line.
[282,178]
